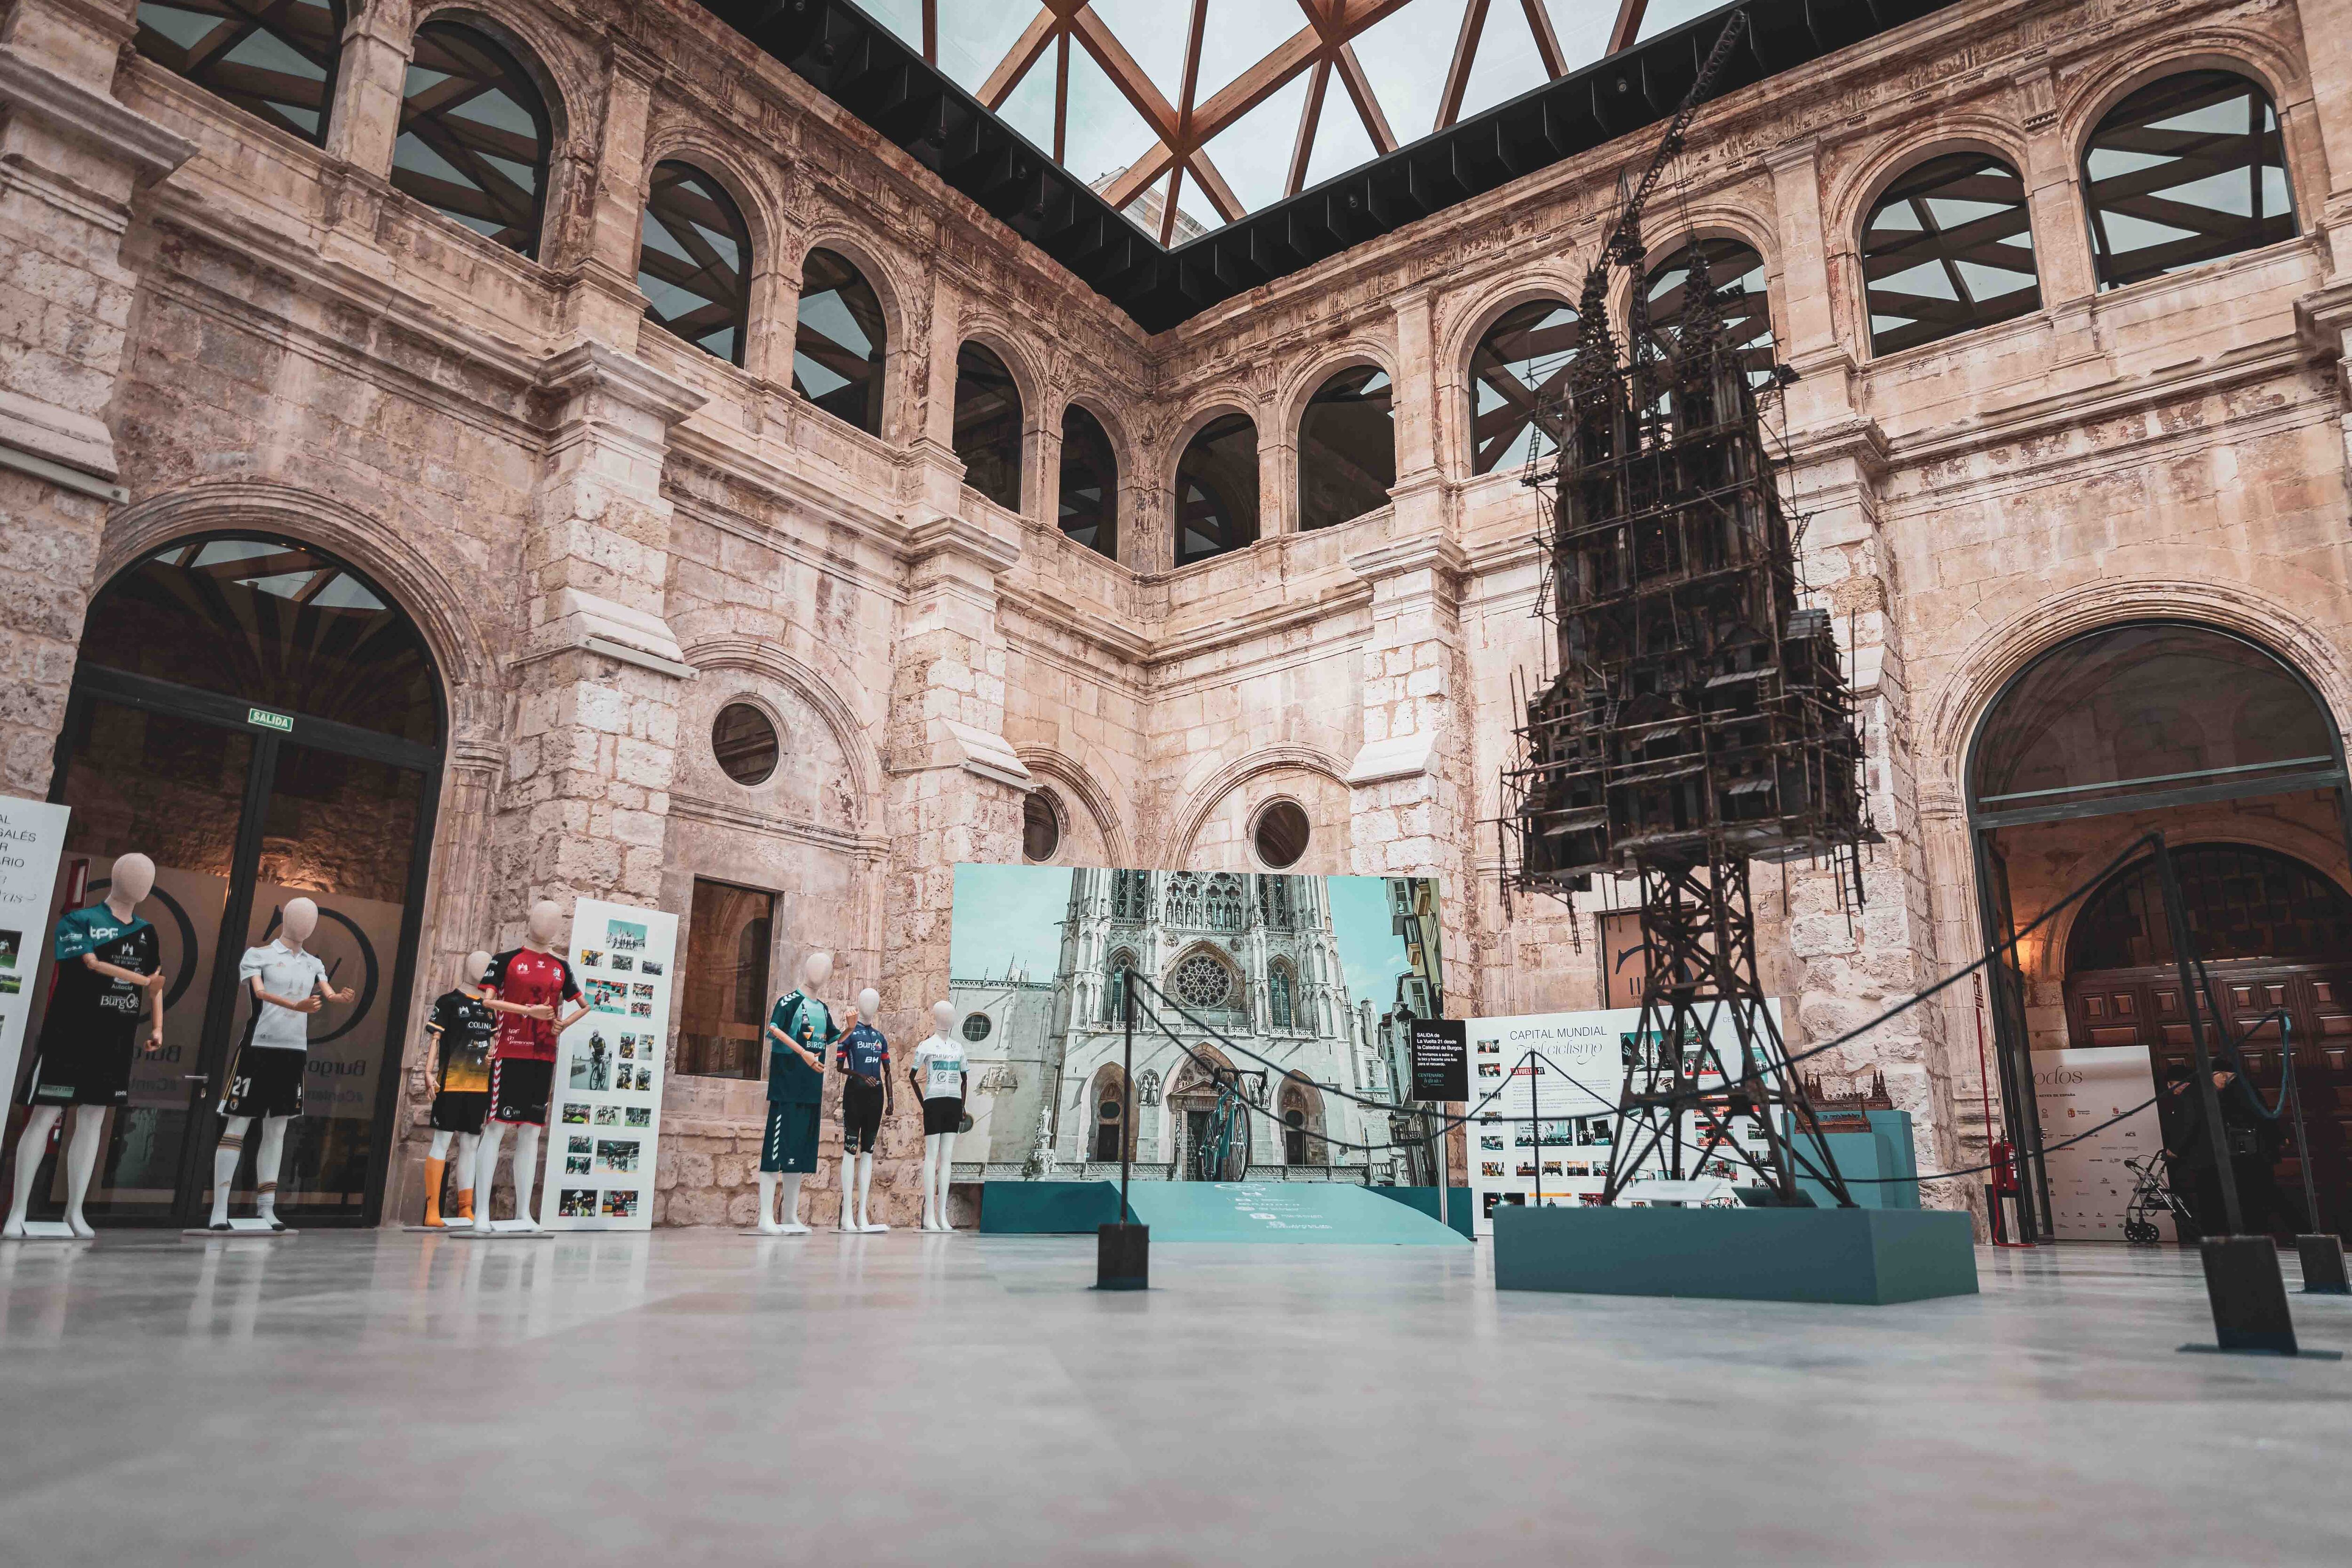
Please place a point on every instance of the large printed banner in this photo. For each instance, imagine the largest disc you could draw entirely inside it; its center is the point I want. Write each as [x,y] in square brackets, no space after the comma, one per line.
[1544,1134]
[2091,1182]
[606,1115]
[31,834]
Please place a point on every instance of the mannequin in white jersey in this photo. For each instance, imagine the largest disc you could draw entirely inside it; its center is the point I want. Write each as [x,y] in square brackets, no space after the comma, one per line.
[265,1079]
[937,1073]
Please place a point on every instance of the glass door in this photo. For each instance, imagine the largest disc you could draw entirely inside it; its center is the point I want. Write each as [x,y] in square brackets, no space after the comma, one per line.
[341,831]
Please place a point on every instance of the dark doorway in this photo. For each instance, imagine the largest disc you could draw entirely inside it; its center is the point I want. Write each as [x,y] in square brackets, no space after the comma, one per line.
[2217,743]
[262,721]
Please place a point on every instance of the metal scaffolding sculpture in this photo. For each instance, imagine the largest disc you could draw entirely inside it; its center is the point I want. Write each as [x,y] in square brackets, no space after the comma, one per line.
[1699,719]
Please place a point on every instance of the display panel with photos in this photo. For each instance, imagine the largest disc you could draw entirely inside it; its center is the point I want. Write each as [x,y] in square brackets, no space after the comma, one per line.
[1295,996]
[609,1069]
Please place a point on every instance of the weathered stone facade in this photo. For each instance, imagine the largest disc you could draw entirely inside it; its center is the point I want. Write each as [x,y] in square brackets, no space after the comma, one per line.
[605,534]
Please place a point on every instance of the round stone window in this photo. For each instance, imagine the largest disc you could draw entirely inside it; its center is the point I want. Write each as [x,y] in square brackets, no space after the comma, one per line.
[1280,833]
[1202,982]
[745,743]
[1041,828]
[976,1026]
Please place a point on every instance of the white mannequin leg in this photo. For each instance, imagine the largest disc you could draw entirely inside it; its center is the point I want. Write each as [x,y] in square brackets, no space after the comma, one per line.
[28,1161]
[865,1182]
[225,1159]
[82,1164]
[937,1168]
[791,1183]
[486,1172]
[769,1224]
[467,1145]
[441,1137]
[526,1171]
[265,1168]
[848,1183]
[931,1158]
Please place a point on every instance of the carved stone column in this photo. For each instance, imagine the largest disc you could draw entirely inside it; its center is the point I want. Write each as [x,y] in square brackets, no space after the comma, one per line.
[72,162]
[584,808]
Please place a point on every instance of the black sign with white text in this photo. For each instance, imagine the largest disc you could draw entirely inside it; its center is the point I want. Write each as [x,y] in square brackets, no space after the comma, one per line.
[1441,1060]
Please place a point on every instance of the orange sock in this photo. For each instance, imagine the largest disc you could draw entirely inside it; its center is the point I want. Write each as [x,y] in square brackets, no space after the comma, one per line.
[465,1203]
[433,1169]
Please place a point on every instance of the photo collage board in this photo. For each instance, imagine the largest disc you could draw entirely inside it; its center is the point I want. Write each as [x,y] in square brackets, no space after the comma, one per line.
[605,1124]
[1547,1136]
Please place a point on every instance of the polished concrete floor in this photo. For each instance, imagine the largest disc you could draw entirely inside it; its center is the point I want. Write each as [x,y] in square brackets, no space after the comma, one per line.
[687,1397]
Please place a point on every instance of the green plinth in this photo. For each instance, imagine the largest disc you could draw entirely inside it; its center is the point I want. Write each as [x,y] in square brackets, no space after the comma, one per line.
[1857,1256]
[1047,1208]
[1458,1204]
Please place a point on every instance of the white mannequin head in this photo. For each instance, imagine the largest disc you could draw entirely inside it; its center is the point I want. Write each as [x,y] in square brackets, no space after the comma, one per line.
[296,920]
[473,966]
[943,1019]
[869,1002]
[815,970]
[133,877]
[545,922]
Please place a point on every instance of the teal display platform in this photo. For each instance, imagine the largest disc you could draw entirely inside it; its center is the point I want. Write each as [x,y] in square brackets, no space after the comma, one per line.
[1858,1256]
[1458,1205]
[1308,1212]
[1885,1150]
[1046,1208]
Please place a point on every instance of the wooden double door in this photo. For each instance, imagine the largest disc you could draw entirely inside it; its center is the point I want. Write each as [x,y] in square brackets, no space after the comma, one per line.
[2142,1007]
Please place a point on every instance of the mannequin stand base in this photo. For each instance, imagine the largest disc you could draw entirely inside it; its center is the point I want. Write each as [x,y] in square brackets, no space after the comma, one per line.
[503,1230]
[447,1228]
[1123,1257]
[775,1235]
[47,1230]
[2323,1265]
[236,1227]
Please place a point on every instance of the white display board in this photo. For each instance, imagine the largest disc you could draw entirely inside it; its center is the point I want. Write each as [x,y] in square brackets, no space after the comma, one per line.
[1562,1157]
[603,1122]
[2090,1185]
[32,834]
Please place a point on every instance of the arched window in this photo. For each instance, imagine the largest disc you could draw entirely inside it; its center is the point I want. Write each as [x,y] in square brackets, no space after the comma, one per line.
[1742,302]
[1948,248]
[1300,1108]
[1216,489]
[694,263]
[1519,383]
[1280,990]
[1182,904]
[1225,902]
[2244,903]
[2183,172]
[988,426]
[1122,965]
[2145,712]
[1130,895]
[1108,1100]
[475,137]
[274,59]
[837,355]
[1346,449]
[1089,483]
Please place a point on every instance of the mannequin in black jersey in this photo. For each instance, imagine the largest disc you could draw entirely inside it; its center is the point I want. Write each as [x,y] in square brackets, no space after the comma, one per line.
[109,974]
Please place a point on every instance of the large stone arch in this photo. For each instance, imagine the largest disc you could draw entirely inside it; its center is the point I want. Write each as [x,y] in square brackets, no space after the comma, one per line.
[1464,322]
[753,184]
[1075,782]
[1301,761]
[570,79]
[906,312]
[469,666]
[817,697]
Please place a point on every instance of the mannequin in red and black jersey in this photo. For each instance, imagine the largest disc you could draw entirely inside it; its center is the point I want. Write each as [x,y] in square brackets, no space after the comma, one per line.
[528,988]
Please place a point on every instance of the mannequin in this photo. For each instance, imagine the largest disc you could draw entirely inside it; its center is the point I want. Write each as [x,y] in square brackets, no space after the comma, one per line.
[800,1028]
[461,1029]
[526,985]
[937,1075]
[866,1100]
[264,1078]
[109,970]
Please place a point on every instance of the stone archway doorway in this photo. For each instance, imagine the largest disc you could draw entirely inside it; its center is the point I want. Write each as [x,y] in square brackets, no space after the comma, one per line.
[2223,747]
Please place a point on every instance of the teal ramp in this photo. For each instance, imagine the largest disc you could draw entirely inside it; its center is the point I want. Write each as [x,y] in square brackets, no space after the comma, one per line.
[1328,1214]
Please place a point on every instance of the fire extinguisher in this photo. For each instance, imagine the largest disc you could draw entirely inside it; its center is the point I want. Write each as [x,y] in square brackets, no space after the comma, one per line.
[2006,1195]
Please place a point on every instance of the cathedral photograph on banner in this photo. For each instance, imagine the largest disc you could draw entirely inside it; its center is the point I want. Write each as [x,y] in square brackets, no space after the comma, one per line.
[1294,991]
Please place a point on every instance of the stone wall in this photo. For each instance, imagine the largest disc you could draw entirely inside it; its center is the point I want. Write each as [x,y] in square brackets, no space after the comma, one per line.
[606,535]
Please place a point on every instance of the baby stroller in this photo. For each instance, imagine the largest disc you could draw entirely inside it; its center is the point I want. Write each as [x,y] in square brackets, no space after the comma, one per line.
[2152,1195]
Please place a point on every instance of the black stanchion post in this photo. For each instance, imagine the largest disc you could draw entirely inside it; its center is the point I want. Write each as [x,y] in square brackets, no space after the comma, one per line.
[2242,1282]
[2321,1250]
[1123,1250]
